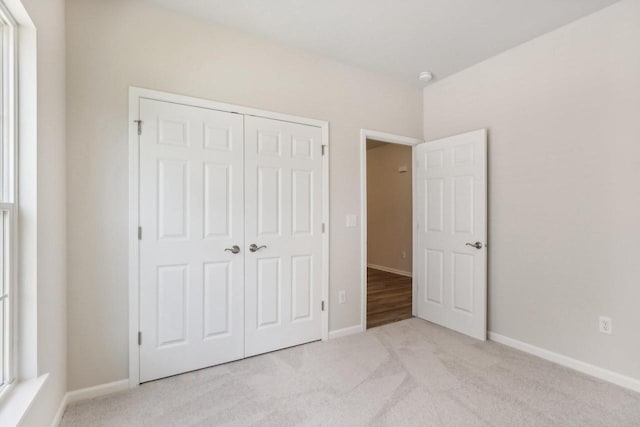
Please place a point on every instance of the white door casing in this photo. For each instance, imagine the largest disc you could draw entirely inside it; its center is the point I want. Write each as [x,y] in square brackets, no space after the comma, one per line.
[451,207]
[191,210]
[283,184]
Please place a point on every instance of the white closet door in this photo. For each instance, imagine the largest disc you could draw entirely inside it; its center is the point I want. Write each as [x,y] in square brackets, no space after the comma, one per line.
[191,211]
[452,218]
[283,185]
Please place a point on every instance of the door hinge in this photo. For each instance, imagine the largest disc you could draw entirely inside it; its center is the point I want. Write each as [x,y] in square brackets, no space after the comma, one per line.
[139,233]
[139,338]
[323,149]
[323,227]
[139,123]
[322,306]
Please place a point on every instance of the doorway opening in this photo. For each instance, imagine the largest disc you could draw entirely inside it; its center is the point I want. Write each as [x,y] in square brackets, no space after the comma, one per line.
[389,240]
[387,228]
[449,230]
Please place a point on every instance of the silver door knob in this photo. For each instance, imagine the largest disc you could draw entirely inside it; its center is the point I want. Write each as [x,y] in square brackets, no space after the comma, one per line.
[233,249]
[254,248]
[477,245]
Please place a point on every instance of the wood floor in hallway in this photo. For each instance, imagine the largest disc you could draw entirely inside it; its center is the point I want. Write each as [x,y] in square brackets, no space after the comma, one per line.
[389,297]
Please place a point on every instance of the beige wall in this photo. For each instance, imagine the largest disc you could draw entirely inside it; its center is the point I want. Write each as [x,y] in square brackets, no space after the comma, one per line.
[389,207]
[47,219]
[563,114]
[112,44]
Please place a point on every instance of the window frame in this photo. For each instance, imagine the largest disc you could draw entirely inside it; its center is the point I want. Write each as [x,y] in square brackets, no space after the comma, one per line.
[8,196]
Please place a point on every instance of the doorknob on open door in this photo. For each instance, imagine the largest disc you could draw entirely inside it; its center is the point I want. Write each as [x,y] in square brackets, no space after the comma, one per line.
[233,249]
[477,245]
[254,248]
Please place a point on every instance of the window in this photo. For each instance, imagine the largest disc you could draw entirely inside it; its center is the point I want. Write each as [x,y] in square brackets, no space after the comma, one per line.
[8,210]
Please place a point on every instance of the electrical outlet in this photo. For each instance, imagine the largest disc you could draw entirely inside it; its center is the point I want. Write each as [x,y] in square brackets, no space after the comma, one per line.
[342,297]
[403,254]
[606,325]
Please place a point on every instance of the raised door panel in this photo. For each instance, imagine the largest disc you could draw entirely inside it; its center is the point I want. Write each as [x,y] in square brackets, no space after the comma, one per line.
[173,204]
[218,137]
[434,208]
[302,202]
[218,203]
[173,132]
[269,292]
[269,201]
[173,286]
[463,155]
[217,299]
[463,204]
[434,274]
[269,143]
[463,278]
[434,160]
[302,147]
[301,287]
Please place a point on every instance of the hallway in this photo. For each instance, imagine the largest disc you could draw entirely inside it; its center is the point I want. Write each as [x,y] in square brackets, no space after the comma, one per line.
[388,297]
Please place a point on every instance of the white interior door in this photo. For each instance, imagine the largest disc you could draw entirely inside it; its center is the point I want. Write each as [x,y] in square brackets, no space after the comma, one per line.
[191,211]
[283,219]
[452,232]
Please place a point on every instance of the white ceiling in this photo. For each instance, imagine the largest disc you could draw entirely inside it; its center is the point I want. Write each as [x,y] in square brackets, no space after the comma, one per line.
[396,37]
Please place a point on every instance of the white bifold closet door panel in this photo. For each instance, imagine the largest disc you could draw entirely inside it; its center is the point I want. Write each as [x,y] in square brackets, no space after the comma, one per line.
[283,196]
[191,211]
[451,203]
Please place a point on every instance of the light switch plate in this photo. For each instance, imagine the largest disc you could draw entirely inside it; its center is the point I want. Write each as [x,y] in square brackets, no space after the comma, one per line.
[352,221]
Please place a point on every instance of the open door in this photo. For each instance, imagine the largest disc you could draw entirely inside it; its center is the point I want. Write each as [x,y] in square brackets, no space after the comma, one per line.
[451,203]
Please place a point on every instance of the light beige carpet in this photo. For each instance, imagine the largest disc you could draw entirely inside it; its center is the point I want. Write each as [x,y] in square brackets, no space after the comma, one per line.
[410,373]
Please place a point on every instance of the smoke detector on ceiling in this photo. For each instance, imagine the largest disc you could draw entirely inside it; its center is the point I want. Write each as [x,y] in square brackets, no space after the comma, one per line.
[425,76]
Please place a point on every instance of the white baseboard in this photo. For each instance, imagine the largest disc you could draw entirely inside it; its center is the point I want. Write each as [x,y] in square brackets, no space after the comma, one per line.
[390,270]
[339,333]
[578,365]
[95,391]
[63,406]
[88,393]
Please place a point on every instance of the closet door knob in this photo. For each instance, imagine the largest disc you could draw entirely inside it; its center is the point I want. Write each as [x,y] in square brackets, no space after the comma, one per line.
[235,249]
[477,245]
[254,248]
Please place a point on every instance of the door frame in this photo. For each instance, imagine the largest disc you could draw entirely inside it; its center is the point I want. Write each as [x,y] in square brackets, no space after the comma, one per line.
[391,139]
[135,94]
